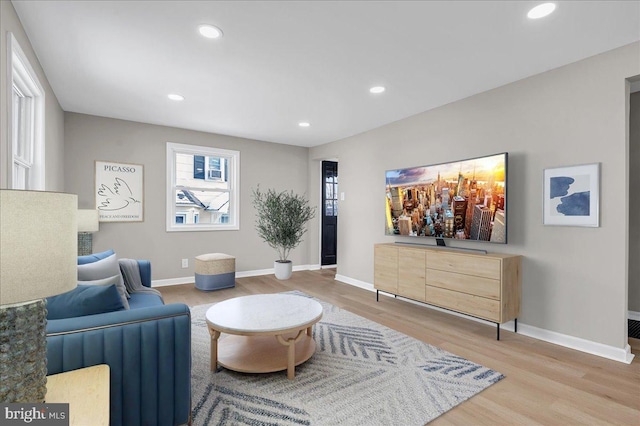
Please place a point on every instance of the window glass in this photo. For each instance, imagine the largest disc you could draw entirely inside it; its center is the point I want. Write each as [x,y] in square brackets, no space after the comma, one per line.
[202,188]
[198,166]
[27,123]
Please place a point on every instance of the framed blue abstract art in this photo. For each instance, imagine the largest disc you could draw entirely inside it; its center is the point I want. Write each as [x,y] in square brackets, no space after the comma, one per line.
[572,195]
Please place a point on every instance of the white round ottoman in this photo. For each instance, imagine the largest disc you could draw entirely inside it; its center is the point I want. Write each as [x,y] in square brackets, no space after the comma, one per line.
[215,271]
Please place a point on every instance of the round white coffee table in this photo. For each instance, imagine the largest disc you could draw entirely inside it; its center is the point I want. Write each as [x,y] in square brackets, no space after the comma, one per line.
[267,332]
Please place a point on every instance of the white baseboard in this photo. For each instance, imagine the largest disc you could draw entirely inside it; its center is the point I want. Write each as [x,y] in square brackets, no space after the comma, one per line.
[594,348]
[354,282]
[240,274]
[583,345]
[632,315]
[299,268]
[254,273]
[172,281]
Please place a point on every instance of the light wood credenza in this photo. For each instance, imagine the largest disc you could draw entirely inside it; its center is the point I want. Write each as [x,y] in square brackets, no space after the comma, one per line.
[486,286]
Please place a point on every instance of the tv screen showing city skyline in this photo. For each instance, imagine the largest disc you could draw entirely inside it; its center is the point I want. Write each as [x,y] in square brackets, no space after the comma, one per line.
[463,200]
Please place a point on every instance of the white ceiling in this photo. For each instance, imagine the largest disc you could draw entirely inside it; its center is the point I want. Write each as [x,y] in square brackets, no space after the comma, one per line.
[282,62]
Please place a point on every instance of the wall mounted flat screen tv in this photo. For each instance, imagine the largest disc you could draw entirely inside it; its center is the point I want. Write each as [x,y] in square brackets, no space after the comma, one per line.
[464,200]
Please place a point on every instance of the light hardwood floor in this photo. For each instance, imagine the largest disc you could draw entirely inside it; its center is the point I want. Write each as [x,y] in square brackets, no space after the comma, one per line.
[545,384]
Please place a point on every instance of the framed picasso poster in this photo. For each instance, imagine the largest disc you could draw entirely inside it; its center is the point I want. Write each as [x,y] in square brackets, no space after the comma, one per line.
[119,191]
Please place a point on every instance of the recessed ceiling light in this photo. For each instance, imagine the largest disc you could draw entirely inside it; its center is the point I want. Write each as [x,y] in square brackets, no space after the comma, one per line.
[377,89]
[304,124]
[175,97]
[210,31]
[541,10]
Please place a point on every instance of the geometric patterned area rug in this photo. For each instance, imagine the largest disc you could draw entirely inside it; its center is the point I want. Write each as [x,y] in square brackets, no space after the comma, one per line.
[361,374]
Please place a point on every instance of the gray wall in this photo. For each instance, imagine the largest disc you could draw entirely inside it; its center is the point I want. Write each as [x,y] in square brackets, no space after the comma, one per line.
[574,279]
[90,138]
[54,116]
[634,203]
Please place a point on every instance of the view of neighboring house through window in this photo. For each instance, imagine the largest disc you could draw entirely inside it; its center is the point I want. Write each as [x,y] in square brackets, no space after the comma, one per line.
[202,188]
[27,123]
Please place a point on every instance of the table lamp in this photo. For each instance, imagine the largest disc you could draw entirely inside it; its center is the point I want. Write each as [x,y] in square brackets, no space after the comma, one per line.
[37,260]
[88,222]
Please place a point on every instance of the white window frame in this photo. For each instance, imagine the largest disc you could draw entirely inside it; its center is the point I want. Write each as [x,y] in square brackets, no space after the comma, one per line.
[30,130]
[234,185]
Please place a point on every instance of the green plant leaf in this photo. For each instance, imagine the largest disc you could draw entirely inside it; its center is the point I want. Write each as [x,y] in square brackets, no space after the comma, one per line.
[281,219]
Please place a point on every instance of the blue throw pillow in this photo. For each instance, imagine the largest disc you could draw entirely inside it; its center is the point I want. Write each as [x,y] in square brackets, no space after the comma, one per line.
[84,300]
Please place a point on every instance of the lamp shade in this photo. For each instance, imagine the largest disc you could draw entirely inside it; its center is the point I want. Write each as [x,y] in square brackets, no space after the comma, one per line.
[88,220]
[38,245]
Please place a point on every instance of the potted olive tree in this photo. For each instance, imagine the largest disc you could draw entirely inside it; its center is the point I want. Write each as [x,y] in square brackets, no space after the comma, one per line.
[281,219]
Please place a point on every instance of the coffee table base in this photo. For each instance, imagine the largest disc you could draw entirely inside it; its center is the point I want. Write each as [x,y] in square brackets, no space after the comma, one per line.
[264,354]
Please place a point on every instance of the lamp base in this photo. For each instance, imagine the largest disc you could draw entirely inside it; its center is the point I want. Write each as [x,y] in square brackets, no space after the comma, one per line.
[85,243]
[23,352]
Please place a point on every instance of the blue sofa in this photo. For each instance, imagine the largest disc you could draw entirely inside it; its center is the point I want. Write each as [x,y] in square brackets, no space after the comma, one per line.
[148,350]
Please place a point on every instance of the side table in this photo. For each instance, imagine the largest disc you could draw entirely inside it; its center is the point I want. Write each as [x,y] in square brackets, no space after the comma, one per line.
[86,390]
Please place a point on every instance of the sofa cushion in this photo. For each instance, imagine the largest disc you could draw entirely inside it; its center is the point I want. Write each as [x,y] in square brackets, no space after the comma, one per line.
[144,300]
[84,300]
[104,269]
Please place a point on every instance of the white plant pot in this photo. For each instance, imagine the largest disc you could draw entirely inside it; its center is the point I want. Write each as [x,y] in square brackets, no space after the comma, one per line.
[283,269]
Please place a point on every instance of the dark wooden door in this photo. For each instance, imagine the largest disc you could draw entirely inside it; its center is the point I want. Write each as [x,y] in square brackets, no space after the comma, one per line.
[329,212]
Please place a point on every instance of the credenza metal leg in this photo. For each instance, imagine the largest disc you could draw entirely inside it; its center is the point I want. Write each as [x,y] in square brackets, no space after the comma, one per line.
[497,331]
[515,328]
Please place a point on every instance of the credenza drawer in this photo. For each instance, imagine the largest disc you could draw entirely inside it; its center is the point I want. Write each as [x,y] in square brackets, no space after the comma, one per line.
[479,286]
[487,267]
[476,306]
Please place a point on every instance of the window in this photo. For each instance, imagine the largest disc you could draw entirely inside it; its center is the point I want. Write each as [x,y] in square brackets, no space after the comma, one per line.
[202,188]
[26,122]
[210,168]
[217,169]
